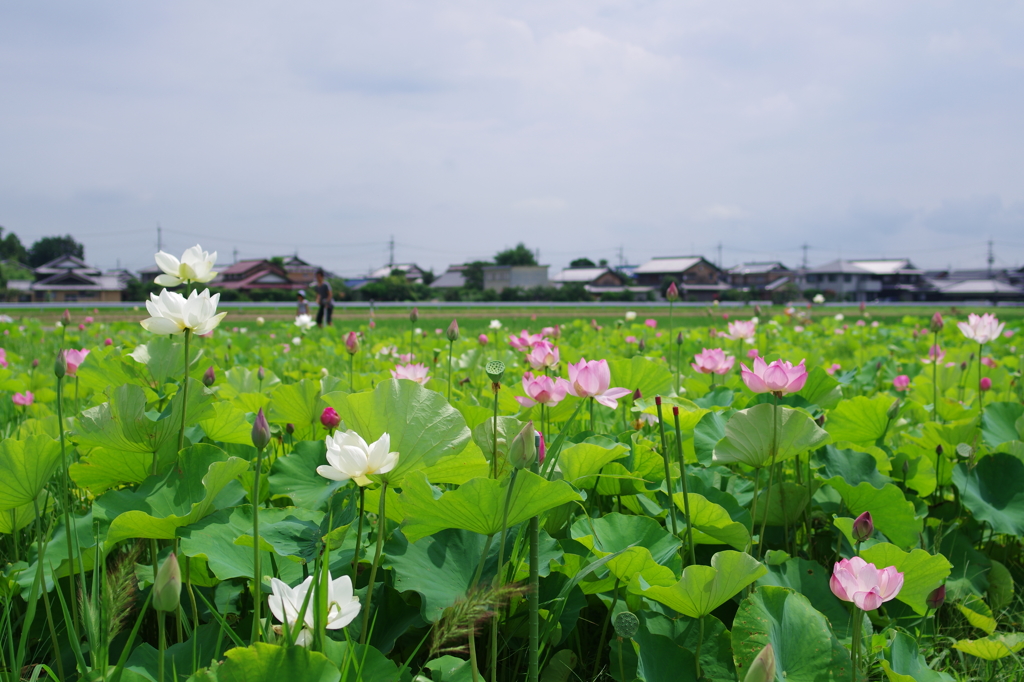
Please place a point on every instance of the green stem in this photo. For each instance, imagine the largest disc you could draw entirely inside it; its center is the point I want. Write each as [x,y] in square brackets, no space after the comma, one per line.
[483,560]
[495,387]
[359,535]
[499,575]
[184,394]
[534,599]
[668,472]
[66,481]
[858,617]
[935,377]
[592,428]
[382,525]
[450,344]
[700,639]
[604,631]
[771,473]
[257,573]
[351,372]
[686,497]
[981,394]
[46,601]
[753,510]
[163,645]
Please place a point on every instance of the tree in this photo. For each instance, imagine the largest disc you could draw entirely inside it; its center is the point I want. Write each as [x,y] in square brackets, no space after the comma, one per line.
[48,248]
[520,255]
[582,263]
[474,274]
[11,247]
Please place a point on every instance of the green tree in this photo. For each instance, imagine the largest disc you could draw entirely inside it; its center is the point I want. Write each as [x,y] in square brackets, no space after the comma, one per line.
[11,247]
[520,255]
[48,248]
[474,274]
[582,263]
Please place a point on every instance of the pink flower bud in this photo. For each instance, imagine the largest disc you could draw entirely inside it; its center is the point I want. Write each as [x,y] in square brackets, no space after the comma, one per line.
[108,342]
[986,384]
[453,331]
[936,324]
[352,343]
[937,597]
[66,317]
[901,382]
[672,293]
[260,431]
[863,527]
[209,376]
[329,418]
[482,339]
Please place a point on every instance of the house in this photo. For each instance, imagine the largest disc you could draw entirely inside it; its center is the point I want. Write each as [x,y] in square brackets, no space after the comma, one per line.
[411,271]
[890,279]
[299,272]
[697,278]
[500,277]
[761,276]
[67,279]
[452,278]
[246,275]
[978,290]
[589,277]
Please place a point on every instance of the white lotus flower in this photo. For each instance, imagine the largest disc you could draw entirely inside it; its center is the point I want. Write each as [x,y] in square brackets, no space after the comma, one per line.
[195,265]
[818,298]
[304,322]
[172,313]
[286,602]
[349,457]
[495,324]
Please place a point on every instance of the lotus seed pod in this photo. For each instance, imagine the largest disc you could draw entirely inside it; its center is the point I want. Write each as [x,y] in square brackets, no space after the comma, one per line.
[626,624]
[495,369]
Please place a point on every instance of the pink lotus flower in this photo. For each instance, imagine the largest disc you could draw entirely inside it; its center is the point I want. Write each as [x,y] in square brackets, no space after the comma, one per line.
[81,327]
[88,319]
[373,324]
[874,325]
[417,372]
[406,357]
[713,361]
[482,339]
[778,377]
[73,358]
[108,341]
[550,331]
[742,329]
[901,382]
[985,384]
[525,342]
[1008,334]
[833,368]
[24,399]
[860,323]
[543,355]
[988,362]
[981,328]
[632,339]
[752,353]
[592,379]
[935,354]
[542,389]
[286,348]
[3,357]
[541,448]
[860,582]
[650,322]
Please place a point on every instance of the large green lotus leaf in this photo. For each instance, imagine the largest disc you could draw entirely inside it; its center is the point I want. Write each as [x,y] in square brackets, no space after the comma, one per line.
[297,404]
[647,467]
[459,468]
[805,648]
[748,436]
[709,430]
[366,663]
[242,380]
[712,524]
[893,514]
[103,468]
[859,419]
[292,537]
[55,552]
[422,425]
[214,539]
[227,424]
[652,378]
[441,567]
[948,436]
[123,424]
[659,659]
[580,462]
[145,659]
[920,472]
[702,589]
[106,367]
[785,506]
[994,491]
[295,476]
[483,436]
[993,647]
[852,466]
[821,389]
[716,647]
[16,518]
[644,545]
[999,423]
[1000,586]
[478,505]
[903,662]
[268,663]
[25,467]
[165,359]
[922,572]
[690,413]
[205,482]
[811,580]
[978,613]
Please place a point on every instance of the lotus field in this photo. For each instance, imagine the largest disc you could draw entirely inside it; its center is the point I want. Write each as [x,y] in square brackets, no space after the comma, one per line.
[779,498]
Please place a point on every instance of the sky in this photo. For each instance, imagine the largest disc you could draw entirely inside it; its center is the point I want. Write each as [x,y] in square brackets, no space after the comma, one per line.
[598,128]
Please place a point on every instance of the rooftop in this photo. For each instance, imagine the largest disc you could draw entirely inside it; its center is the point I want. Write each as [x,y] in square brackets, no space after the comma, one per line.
[757,268]
[579,275]
[668,264]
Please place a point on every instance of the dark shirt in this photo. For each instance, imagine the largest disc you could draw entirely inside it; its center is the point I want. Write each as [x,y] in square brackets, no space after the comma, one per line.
[323,292]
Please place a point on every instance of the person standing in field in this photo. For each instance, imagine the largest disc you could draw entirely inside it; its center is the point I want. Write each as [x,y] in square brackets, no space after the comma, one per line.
[302,308]
[324,299]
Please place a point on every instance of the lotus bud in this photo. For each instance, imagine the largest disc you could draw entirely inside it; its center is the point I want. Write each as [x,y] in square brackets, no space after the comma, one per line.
[324,372]
[260,431]
[209,377]
[936,324]
[762,668]
[453,331]
[289,428]
[329,418]
[35,362]
[757,311]
[495,369]
[108,341]
[60,365]
[260,321]
[936,598]
[542,448]
[637,395]
[906,467]
[352,343]
[863,527]
[482,339]
[523,451]
[641,346]
[985,384]
[963,366]
[414,315]
[167,585]
[66,317]
[893,410]
[679,339]
[261,373]
[672,293]
[626,624]
[938,450]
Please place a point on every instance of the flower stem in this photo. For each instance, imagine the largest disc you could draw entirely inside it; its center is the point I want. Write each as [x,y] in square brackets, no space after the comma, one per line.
[66,481]
[668,472]
[981,393]
[700,639]
[163,645]
[495,387]
[450,344]
[257,573]
[382,524]
[359,535]
[351,372]
[534,598]
[498,576]
[686,497]
[771,474]
[858,617]
[184,394]
[935,377]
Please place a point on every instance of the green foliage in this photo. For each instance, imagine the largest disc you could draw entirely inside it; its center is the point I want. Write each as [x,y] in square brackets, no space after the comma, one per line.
[46,249]
[517,255]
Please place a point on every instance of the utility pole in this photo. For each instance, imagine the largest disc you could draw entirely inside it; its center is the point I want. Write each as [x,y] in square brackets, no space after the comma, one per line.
[235,254]
[159,238]
[391,250]
[622,259]
[805,247]
[991,259]
[719,255]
